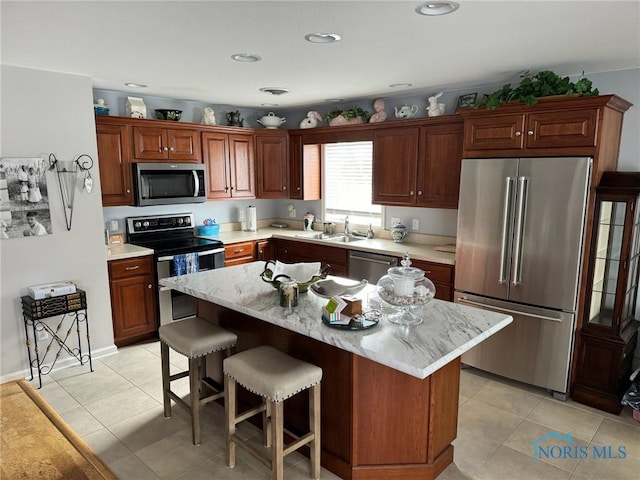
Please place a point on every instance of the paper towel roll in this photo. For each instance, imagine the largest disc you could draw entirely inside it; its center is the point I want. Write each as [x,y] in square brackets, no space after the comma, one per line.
[252,219]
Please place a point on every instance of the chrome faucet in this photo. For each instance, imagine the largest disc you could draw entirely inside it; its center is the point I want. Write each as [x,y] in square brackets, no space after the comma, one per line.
[346,225]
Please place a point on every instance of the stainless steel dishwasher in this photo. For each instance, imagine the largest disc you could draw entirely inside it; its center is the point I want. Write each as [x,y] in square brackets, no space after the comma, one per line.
[370,266]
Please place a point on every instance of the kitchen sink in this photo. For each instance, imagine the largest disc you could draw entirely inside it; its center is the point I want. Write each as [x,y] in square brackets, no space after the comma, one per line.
[336,237]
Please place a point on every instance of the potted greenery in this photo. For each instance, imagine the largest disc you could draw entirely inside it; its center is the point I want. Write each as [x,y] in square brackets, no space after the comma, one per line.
[532,86]
[340,116]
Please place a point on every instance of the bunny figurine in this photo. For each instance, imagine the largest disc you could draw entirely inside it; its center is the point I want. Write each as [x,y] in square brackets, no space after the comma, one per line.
[435,109]
[312,120]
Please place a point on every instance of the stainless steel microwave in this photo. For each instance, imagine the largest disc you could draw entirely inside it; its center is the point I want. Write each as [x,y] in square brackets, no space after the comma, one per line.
[169,183]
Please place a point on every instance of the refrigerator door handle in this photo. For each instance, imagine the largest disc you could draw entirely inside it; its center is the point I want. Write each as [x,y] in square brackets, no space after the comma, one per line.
[517,246]
[506,208]
[505,310]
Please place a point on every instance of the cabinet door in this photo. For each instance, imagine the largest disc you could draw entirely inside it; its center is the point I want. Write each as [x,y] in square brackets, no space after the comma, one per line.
[114,155]
[272,161]
[242,166]
[395,159]
[150,143]
[494,132]
[573,128]
[133,299]
[184,145]
[439,166]
[215,153]
[265,250]
[295,167]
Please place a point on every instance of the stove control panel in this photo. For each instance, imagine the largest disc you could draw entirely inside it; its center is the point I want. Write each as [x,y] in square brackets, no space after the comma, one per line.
[159,223]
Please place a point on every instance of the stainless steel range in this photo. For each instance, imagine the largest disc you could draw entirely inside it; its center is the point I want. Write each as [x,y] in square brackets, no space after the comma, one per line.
[174,241]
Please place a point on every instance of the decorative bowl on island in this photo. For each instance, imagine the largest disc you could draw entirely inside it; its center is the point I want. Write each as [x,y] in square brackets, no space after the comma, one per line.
[168,114]
[303,287]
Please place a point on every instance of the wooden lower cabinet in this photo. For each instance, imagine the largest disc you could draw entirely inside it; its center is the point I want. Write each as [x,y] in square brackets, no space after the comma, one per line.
[133,299]
[441,275]
[239,253]
[265,250]
[376,422]
[291,251]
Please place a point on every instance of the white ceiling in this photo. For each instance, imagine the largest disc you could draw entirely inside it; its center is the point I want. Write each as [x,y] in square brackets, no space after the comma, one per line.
[182,49]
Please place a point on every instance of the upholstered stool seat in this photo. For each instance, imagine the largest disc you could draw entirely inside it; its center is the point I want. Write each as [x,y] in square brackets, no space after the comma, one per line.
[274,376]
[194,338]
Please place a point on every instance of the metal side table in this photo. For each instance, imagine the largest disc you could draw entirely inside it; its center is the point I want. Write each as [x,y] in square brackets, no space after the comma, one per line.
[72,310]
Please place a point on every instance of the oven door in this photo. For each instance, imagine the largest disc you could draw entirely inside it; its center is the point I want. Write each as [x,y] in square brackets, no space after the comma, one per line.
[174,305]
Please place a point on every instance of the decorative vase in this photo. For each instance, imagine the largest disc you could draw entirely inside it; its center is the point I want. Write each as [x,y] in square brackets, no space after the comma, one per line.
[398,233]
[340,120]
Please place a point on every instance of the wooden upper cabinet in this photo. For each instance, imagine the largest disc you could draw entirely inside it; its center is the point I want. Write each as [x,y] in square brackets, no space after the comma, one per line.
[114,155]
[304,169]
[171,144]
[272,160]
[418,166]
[230,165]
[395,161]
[554,126]
[439,165]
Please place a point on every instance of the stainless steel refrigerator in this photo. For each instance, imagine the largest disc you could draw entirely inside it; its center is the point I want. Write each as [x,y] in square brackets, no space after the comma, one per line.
[519,250]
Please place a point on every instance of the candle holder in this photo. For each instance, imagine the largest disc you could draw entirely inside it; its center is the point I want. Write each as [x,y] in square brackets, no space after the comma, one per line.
[405,288]
[67,177]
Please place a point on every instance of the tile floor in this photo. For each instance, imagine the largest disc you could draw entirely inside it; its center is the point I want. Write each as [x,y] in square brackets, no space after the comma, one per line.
[117,410]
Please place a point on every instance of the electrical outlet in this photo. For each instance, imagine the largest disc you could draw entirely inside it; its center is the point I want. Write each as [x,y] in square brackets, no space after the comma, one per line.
[114,226]
[415,224]
[43,335]
[241,215]
[395,221]
[292,213]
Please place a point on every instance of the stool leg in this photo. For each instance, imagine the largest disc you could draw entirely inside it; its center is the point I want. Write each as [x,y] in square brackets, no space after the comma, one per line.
[166,382]
[194,397]
[314,427]
[230,414]
[266,422]
[277,440]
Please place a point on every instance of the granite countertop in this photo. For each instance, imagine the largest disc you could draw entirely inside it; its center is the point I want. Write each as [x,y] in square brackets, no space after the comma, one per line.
[448,329]
[126,250]
[417,251]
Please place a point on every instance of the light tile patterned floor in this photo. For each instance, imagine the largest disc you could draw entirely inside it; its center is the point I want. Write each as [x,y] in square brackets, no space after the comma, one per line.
[117,410]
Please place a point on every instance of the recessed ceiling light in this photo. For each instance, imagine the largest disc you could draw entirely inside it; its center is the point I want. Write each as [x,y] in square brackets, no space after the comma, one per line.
[246,57]
[135,85]
[274,90]
[318,37]
[434,9]
[336,100]
[400,85]
[269,104]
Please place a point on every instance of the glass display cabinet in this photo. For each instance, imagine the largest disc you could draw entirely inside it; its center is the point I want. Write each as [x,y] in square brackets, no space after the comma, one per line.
[609,331]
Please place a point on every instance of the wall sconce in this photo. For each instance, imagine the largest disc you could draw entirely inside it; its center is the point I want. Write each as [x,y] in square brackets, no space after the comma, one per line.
[67,172]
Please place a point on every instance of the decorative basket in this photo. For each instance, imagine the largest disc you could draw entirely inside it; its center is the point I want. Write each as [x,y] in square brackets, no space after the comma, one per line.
[302,286]
[208,230]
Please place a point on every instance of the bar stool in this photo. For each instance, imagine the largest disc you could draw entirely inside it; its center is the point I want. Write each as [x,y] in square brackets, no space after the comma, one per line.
[275,376]
[194,338]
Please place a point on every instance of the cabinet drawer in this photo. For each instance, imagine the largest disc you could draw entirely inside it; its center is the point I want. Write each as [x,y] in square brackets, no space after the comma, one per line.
[237,250]
[130,267]
[435,272]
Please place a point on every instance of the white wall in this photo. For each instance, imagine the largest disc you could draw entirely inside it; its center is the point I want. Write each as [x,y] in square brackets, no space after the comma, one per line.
[42,113]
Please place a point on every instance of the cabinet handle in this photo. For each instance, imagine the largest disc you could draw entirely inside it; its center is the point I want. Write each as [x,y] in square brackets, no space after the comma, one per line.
[530,132]
[172,149]
[518,134]
[419,192]
[166,148]
[135,267]
[226,188]
[128,191]
[149,286]
[411,193]
[231,187]
[298,188]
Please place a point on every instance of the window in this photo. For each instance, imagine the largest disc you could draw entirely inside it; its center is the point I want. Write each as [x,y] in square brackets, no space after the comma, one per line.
[347,169]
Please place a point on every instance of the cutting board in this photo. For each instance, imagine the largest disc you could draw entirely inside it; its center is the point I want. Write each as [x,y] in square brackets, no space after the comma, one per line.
[446,248]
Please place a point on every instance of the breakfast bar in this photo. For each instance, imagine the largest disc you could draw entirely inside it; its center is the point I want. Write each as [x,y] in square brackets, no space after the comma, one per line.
[389,393]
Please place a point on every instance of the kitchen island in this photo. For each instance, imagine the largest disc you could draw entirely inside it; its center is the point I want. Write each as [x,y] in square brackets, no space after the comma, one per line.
[389,393]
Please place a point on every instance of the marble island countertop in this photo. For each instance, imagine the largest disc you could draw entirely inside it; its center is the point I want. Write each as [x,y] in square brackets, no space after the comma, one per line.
[447,331]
